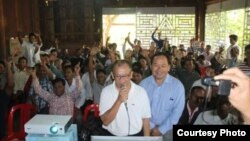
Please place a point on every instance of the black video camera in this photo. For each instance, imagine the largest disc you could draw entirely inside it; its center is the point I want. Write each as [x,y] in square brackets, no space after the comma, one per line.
[224,85]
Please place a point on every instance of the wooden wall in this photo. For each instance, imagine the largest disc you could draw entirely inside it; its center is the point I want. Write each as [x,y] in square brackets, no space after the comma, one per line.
[74,21]
[80,21]
[17,17]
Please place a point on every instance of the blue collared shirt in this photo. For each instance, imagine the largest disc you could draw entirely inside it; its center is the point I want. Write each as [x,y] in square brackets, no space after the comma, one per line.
[166,101]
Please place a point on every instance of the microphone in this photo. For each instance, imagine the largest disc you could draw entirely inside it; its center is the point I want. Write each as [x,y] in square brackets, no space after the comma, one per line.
[122,87]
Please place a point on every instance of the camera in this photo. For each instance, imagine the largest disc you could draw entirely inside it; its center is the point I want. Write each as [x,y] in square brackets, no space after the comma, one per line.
[224,86]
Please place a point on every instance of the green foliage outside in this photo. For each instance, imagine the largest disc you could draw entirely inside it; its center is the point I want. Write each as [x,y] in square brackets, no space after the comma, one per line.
[220,25]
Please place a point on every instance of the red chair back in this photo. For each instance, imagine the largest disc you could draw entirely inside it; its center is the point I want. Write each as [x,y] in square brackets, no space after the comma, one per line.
[92,107]
[203,71]
[25,112]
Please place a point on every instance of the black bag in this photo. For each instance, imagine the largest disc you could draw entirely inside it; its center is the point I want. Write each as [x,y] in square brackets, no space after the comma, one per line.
[93,126]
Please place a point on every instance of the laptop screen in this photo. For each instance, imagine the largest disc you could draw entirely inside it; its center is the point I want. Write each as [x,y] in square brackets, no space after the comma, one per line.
[116,138]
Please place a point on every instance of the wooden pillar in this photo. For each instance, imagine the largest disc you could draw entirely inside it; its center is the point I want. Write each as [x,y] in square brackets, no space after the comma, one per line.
[98,21]
[202,20]
[35,16]
[89,19]
[2,32]
[200,13]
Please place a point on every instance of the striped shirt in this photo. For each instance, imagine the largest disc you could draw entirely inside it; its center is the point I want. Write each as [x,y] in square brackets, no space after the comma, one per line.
[59,105]
[245,68]
[46,85]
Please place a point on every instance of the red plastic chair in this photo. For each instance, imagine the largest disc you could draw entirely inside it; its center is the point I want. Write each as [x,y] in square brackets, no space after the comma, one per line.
[26,112]
[88,109]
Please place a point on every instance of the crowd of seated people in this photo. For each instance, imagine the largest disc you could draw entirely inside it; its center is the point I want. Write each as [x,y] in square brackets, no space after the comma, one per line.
[57,83]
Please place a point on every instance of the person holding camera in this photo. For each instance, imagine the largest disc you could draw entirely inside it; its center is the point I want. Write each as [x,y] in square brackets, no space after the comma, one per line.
[239,95]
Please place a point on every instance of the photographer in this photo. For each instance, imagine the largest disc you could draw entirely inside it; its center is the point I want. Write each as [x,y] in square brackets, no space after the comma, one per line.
[240,93]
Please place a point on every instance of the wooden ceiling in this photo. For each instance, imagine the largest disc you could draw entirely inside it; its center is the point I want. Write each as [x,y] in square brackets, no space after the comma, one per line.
[145,3]
[152,3]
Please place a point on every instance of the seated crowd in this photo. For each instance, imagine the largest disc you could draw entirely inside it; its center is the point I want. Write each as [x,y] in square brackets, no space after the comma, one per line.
[146,93]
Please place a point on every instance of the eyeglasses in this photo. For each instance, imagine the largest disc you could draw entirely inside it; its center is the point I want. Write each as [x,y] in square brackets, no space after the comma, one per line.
[122,76]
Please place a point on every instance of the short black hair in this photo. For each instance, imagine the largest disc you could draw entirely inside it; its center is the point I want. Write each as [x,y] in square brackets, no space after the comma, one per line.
[58,80]
[44,55]
[22,58]
[136,65]
[142,57]
[32,34]
[53,50]
[100,71]
[233,36]
[160,54]
[209,46]
[138,71]
[193,89]
[174,46]
[182,49]
[201,57]
[2,62]
[247,47]
[185,60]
[190,53]
[68,67]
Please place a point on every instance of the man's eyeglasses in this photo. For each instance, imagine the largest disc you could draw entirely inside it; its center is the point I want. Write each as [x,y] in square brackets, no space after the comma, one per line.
[122,76]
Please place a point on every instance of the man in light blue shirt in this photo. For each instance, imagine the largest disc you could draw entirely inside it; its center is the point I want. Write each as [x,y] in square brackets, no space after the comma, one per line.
[166,95]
